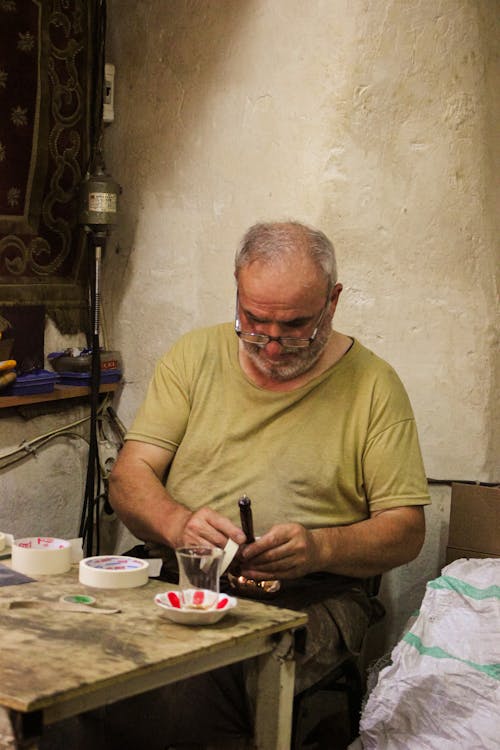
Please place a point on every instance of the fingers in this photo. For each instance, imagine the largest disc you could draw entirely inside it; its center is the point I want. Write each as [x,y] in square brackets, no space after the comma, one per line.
[280,541]
[281,553]
[205,526]
[284,552]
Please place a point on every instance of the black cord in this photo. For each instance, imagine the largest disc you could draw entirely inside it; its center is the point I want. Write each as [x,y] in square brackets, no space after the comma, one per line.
[98,69]
[89,522]
[462,481]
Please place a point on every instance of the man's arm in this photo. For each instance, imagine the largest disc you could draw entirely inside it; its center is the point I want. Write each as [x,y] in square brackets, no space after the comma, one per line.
[385,540]
[137,494]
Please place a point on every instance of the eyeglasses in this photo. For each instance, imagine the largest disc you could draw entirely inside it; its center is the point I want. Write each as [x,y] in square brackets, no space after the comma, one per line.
[287,342]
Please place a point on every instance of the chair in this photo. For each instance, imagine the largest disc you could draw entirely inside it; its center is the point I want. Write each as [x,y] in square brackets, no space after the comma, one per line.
[345,677]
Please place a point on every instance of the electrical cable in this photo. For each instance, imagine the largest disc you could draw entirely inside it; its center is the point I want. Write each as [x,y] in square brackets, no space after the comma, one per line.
[89,523]
[29,447]
[99,16]
[24,453]
[463,481]
[117,423]
[98,212]
[52,433]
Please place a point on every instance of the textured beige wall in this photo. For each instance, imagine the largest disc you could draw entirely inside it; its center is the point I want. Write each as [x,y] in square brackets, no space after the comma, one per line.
[371,119]
[368,119]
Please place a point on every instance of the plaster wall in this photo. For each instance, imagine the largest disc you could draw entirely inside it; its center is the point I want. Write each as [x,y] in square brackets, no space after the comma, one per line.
[370,120]
[41,487]
[43,464]
[374,121]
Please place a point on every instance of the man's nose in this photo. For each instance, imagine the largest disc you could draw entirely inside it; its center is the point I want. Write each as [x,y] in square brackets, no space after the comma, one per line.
[273,348]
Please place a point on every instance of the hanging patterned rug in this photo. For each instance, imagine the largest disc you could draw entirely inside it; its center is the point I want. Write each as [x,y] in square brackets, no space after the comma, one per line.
[45,80]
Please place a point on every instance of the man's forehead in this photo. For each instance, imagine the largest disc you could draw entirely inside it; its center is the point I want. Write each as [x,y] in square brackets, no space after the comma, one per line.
[296,266]
[292,295]
[282,279]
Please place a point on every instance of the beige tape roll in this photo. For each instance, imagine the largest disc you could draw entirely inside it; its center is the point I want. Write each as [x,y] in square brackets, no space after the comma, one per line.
[113,572]
[2,541]
[35,556]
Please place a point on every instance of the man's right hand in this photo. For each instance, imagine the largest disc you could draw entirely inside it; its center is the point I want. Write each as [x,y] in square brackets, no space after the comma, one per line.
[139,497]
[206,526]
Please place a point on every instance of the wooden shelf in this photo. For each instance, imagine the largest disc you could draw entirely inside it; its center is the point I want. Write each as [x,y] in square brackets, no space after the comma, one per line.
[60,392]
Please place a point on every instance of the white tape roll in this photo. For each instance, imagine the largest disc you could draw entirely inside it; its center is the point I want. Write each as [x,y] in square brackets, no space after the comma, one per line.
[37,555]
[2,541]
[113,572]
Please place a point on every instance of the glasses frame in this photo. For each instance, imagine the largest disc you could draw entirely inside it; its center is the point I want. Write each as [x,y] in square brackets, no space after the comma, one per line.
[287,342]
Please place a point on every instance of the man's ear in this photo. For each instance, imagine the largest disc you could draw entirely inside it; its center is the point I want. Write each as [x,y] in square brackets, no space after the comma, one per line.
[334,296]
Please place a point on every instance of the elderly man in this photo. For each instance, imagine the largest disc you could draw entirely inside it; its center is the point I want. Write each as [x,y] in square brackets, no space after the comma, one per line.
[315,428]
[312,426]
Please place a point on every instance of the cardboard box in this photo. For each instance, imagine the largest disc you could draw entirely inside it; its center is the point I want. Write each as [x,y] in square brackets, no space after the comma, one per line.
[474,522]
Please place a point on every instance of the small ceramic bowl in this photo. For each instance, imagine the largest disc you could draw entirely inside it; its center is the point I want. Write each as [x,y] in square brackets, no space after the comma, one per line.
[171,606]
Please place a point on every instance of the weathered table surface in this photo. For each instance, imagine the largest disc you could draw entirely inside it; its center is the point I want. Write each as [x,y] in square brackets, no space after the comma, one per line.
[55,664]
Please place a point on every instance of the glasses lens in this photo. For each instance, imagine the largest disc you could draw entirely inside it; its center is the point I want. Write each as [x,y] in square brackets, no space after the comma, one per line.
[261,339]
[253,338]
[294,343]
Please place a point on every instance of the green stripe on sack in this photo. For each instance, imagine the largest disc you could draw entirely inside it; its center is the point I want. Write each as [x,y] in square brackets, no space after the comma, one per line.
[461,587]
[492,670]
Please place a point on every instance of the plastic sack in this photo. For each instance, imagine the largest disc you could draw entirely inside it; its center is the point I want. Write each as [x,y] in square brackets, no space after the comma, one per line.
[442,690]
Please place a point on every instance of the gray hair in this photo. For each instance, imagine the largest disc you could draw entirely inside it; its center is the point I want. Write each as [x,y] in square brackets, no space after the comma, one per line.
[270,241]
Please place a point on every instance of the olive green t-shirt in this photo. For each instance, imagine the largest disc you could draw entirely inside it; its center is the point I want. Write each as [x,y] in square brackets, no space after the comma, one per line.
[325,454]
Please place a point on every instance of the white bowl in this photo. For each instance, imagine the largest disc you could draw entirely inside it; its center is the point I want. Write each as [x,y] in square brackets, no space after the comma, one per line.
[171,606]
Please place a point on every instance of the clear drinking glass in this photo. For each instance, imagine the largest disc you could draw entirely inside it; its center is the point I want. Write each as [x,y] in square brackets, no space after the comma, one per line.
[199,574]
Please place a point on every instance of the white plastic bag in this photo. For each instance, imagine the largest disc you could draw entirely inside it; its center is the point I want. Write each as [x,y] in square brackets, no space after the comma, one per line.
[442,690]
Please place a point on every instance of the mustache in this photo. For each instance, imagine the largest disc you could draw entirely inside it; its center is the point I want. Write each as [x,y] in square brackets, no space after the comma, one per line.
[295,364]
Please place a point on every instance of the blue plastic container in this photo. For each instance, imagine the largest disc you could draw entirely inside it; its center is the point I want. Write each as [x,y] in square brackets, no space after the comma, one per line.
[40,381]
[83,378]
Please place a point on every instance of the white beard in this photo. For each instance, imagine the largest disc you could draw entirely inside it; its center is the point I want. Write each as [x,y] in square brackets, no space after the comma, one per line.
[296,363]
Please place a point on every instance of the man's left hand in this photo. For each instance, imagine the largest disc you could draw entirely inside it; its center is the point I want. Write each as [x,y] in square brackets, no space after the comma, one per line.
[286,551]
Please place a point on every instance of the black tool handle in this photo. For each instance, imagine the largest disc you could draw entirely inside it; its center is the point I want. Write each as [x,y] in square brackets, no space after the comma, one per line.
[245,506]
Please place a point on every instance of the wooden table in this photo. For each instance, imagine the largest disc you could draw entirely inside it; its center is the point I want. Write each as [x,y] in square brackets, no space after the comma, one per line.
[55,664]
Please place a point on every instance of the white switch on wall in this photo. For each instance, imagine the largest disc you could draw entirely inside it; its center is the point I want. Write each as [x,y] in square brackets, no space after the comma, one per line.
[108,109]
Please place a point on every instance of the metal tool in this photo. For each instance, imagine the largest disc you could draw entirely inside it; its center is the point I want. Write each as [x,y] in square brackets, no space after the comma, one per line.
[245,506]
[247,586]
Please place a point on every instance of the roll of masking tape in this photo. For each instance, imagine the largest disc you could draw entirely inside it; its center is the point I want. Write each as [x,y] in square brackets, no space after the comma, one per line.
[2,541]
[37,555]
[113,572]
